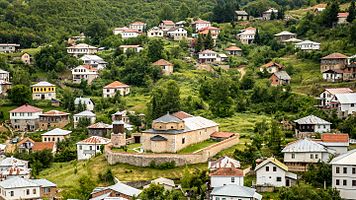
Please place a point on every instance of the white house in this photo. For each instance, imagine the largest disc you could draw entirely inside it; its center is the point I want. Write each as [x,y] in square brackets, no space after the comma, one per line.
[119,191]
[9,162]
[167,67]
[272,172]
[225,176]
[268,13]
[346,104]
[223,162]
[87,102]
[85,114]
[19,188]
[307,45]
[328,95]
[165,25]
[135,48]
[344,174]
[4,75]
[177,33]
[82,49]
[129,33]
[247,36]
[25,117]
[90,147]
[311,124]
[55,135]
[200,24]
[111,89]
[119,30]
[333,75]
[138,26]
[84,72]
[168,184]
[155,32]
[299,154]
[338,142]
[8,48]
[234,192]
[207,56]
[94,61]
[285,35]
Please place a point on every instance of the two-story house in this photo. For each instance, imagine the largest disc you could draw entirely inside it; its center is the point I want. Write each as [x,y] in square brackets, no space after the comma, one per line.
[111,89]
[199,24]
[247,36]
[233,50]
[119,191]
[307,45]
[4,75]
[346,104]
[177,33]
[342,17]
[9,48]
[94,61]
[55,135]
[165,25]
[25,118]
[84,72]
[207,56]
[90,116]
[241,15]
[43,91]
[214,32]
[266,15]
[87,103]
[90,147]
[223,162]
[226,176]
[155,32]
[272,67]
[81,49]
[334,61]
[311,124]
[326,97]
[138,26]
[53,119]
[129,33]
[285,35]
[167,67]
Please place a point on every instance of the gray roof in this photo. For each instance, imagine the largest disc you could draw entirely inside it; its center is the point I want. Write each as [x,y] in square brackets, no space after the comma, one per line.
[43,182]
[86,113]
[241,13]
[233,190]
[311,119]
[163,181]
[10,161]
[82,100]
[57,131]
[42,84]
[284,33]
[158,138]
[3,72]
[283,75]
[348,158]
[347,98]
[167,118]
[17,182]
[125,189]
[304,145]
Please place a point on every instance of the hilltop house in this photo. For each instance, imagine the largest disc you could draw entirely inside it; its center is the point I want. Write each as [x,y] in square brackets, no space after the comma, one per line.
[177,33]
[167,67]
[56,135]
[84,72]
[129,33]
[307,45]
[300,154]
[234,192]
[209,56]
[119,191]
[8,48]
[26,58]
[233,50]
[25,117]
[280,78]
[167,184]
[329,94]
[224,176]
[272,172]
[344,174]
[82,49]
[341,17]
[338,142]
[165,25]
[94,61]
[241,15]
[138,26]
[173,132]
[90,147]
[200,24]
[85,114]
[4,75]
[247,36]
[334,61]
[346,104]
[43,90]
[272,67]
[134,48]
[214,32]
[155,32]
[285,35]
[99,129]
[88,103]
[111,89]
[311,124]
[53,119]
[266,15]
[223,162]
[5,84]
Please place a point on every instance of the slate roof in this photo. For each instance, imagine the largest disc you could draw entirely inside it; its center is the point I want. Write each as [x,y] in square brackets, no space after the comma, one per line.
[241,13]
[125,189]
[347,98]
[85,113]
[348,158]
[4,72]
[274,161]
[167,119]
[26,109]
[165,181]
[304,145]
[311,119]
[57,132]
[158,138]
[234,190]
[17,182]
[282,75]
[43,182]
[11,161]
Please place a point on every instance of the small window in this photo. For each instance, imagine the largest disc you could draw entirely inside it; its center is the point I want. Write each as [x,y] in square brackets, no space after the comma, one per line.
[344,170]
[337,182]
[353,182]
[183,140]
[311,156]
[80,147]
[274,169]
[34,191]
[12,193]
[352,105]
[97,148]
[316,156]
[337,170]
[27,192]
[293,155]
[279,179]
[353,170]
[344,182]
[232,179]
[267,168]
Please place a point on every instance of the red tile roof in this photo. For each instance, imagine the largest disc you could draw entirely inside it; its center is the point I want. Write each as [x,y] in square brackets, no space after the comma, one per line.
[222,135]
[116,84]
[95,140]
[330,137]
[26,108]
[227,172]
[138,23]
[40,146]
[343,15]
[25,140]
[89,67]
[54,113]
[168,22]
[182,115]
[162,62]
[270,64]
[200,21]
[233,48]
[335,56]
[338,90]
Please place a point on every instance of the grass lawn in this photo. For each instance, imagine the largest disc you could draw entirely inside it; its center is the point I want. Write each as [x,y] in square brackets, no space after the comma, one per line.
[195,147]
[130,148]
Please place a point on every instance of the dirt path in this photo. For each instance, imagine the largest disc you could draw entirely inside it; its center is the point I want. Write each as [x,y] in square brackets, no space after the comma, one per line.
[242,71]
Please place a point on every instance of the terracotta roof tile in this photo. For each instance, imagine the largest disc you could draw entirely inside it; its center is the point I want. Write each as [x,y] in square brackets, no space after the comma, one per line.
[222,134]
[95,140]
[26,108]
[330,137]
[227,172]
[40,146]
[162,62]
[54,113]
[233,48]
[338,90]
[270,64]
[182,115]
[168,22]
[335,56]
[200,21]
[25,140]
[343,15]
[116,84]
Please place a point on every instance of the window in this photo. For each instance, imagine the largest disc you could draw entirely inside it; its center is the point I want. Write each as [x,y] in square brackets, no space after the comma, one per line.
[27,192]
[12,193]
[183,140]
[352,105]
[337,170]
[97,148]
[34,191]
[353,170]
[337,182]
[344,170]
[311,156]
[279,179]
[316,156]
[267,169]
[274,169]
[293,155]
[353,182]
[344,182]
[90,148]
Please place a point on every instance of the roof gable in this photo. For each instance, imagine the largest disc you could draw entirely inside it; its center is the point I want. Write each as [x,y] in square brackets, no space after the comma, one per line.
[311,119]
[26,108]
[304,145]
[273,161]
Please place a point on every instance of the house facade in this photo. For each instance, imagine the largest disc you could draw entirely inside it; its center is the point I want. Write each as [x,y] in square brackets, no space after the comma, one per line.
[56,135]
[85,114]
[200,24]
[5,84]
[26,58]
[233,50]
[346,104]
[116,87]
[134,48]
[333,75]
[247,36]
[234,192]
[285,35]
[223,162]
[334,61]
[167,67]
[88,103]
[268,13]
[327,97]
[280,78]
[9,48]
[25,118]
[4,75]
[226,176]
[207,56]
[165,25]
[94,61]
[311,124]
[81,49]
[138,26]
[99,129]
[177,33]
[341,18]
[272,67]
[43,91]
[155,32]
[53,119]
[307,45]
[84,72]
[241,15]
[129,33]
[90,147]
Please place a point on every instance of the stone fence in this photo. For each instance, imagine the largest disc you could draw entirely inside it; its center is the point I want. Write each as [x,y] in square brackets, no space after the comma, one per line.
[145,159]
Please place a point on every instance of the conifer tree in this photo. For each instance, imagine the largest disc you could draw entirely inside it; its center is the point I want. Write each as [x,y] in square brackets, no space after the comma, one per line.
[257,37]
[352,12]
[273,16]
[208,41]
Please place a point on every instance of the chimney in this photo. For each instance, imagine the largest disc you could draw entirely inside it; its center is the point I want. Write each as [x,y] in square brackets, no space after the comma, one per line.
[118,127]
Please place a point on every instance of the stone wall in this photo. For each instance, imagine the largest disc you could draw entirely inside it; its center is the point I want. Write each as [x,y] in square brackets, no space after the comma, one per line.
[144,159]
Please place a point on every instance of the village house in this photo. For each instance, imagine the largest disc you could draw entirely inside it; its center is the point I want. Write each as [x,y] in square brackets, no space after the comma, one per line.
[129,33]
[226,176]
[41,146]
[272,172]
[311,124]
[43,91]
[26,58]
[292,40]
[346,104]
[233,50]
[82,49]
[344,174]
[341,17]
[8,162]
[173,132]
[4,75]
[99,129]
[121,115]
[268,13]
[90,147]
[300,154]
[177,33]
[155,32]
[200,24]
[5,85]
[48,190]
[119,191]
[214,32]
[15,171]
[25,145]
[111,89]
[241,15]
[247,36]
[25,118]
[272,67]
[167,67]
[94,61]
[168,184]
[333,75]
[75,39]
[84,72]
[285,35]
[280,78]
[319,7]
[208,56]
[328,95]
[56,135]
[88,103]
[338,142]
[53,119]
[135,48]
[334,61]
[223,162]
[234,192]
[165,25]
[8,48]
[138,26]
[307,45]
[119,30]
[84,115]
[180,24]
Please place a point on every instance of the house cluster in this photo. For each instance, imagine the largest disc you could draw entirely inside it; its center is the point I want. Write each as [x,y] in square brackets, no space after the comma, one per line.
[278,74]
[338,67]
[270,14]
[343,100]
[5,83]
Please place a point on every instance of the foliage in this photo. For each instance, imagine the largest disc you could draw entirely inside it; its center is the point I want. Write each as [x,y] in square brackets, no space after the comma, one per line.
[304,191]
[318,174]
[196,183]
[157,192]
[107,177]
[224,10]
[38,160]
[20,94]
[204,42]
[82,190]
[162,166]
[329,15]
[155,50]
